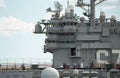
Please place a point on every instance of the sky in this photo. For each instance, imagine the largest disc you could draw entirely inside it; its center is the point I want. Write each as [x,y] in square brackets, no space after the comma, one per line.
[17,21]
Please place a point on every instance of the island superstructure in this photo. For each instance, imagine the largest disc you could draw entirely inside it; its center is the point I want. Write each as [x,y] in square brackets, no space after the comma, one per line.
[82,47]
[85,43]
[79,43]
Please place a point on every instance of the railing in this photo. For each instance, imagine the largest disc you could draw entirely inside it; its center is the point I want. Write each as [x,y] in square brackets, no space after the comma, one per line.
[24,63]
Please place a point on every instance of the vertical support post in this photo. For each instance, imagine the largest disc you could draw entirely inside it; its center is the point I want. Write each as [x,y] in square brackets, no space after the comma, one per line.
[92,12]
[111,58]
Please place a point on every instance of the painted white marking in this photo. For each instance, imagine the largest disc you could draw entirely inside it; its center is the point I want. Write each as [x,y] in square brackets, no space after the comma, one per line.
[99,52]
[117,52]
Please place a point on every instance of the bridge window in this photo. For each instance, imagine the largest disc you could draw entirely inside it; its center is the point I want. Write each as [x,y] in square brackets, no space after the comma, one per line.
[69,23]
[73,53]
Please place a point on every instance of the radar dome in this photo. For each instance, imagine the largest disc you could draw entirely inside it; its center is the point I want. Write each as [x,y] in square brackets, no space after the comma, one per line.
[71,7]
[75,72]
[67,10]
[113,17]
[38,28]
[50,73]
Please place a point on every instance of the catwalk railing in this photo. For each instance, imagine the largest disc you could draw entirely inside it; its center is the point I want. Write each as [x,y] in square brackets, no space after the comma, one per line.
[24,63]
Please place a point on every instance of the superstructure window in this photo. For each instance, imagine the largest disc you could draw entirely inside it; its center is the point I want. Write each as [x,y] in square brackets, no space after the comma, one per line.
[69,23]
[58,41]
[73,53]
[53,33]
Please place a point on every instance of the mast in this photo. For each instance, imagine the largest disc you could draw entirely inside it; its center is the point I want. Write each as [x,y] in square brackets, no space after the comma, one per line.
[92,12]
[68,3]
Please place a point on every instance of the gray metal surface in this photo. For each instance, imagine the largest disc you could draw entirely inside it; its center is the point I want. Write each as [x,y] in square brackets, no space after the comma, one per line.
[79,43]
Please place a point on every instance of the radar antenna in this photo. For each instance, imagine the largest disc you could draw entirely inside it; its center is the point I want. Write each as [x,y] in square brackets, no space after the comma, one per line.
[90,11]
[58,8]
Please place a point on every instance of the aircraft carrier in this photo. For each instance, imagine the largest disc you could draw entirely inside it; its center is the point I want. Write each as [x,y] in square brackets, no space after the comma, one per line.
[82,47]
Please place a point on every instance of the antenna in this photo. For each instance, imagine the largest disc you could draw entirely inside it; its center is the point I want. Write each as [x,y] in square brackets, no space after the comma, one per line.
[68,3]
[100,1]
[91,11]
[58,9]
[58,6]
[83,5]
